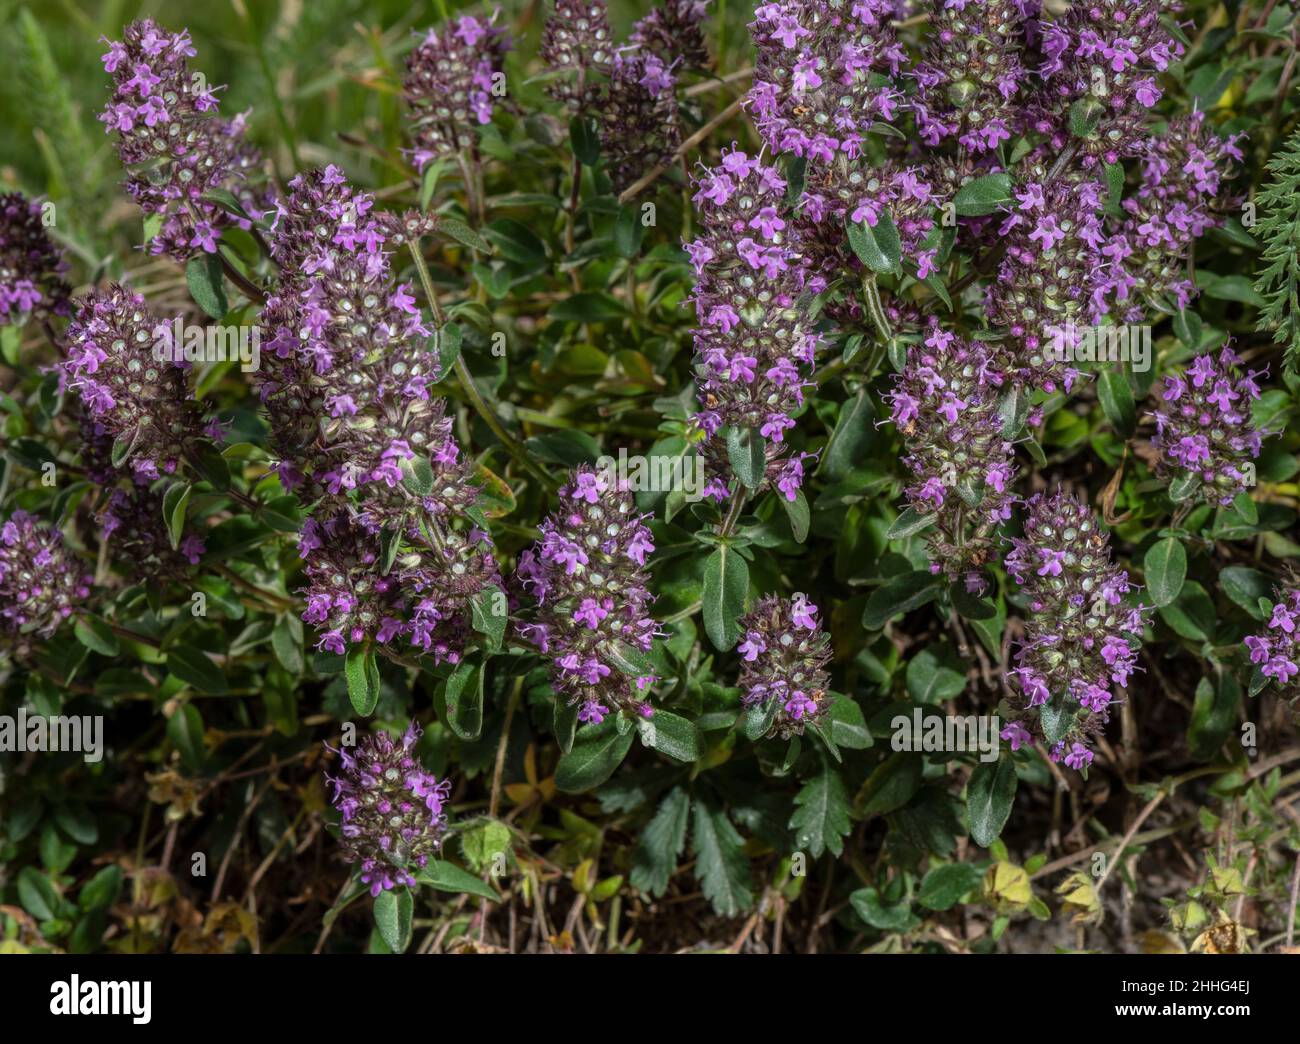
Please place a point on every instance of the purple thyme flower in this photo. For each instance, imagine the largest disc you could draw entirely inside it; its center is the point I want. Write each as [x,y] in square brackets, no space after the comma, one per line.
[576,42]
[41,582]
[588,576]
[945,404]
[1051,278]
[823,74]
[784,653]
[423,599]
[639,129]
[31,266]
[121,364]
[1080,636]
[755,345]
[1100,63]
[173,143]
[1205,433]
[346,370]
[675,32]
[1276,652]
[451,79]
[1180,199]
[392,813]
[971,78]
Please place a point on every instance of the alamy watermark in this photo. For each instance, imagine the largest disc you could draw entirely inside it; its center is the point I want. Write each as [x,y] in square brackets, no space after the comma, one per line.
[655,474]
[185,342]
[41,733]
[933,733]
[1115,344]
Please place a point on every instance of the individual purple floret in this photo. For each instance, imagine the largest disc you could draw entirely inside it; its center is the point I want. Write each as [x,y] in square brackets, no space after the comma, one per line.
[451,81]
[392,813]
[32,268]
[675,32]
[1081,638]
[639,130]
[120,363]
[784,652]
[588,576]
[755,344]
[175,146]
[823,74]
[1276,652]
[41,583]
[945,404]
[1205,434]
[577,45]
[1051,279]
[1180,199]
[970,81]
[1100,63]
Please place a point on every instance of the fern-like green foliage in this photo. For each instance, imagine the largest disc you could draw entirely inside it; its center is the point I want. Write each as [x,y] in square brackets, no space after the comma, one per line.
[1278,228]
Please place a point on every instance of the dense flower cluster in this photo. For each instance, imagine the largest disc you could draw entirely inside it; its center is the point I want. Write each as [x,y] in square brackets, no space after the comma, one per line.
[424,596]
[1052,277]
[1276,652]
[1099,69]
[391,811]
[755,344]
[577,46]
[31,266]
[1081,637]
[175,146]
[784,654]
[1205,434]
[945,404]
[823,73]
[675,32]
[41,583]
[347,372]
[639,129]
[1180,198]
[451,79]
[360,436]
[588,576]
[971,78]
[120,363]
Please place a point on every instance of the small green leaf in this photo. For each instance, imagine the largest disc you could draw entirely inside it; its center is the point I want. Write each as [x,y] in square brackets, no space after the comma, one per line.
[195,668]
[910,521]
[943,886]
[459,700]
[96,635]
[597,751]
[185,730]
[990,793]
[983,195]
[363,678]
[584,138]
[726,584]
[488,609]
[174,503]
[878,247]
[1165,567]
[393,910]
[1116,397]
[900,594]
[463,234]
[747,452]
[671,734]
[207,284]
[448,877]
